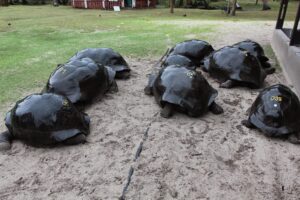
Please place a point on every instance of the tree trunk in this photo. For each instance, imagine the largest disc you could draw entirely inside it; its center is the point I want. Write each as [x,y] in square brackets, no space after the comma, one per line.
[233,7]
[266,5]
[55,3]
[3,2]
[172,6]
[228,8]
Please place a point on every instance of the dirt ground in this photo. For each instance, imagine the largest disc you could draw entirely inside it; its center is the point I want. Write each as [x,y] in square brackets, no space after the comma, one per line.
[211,157]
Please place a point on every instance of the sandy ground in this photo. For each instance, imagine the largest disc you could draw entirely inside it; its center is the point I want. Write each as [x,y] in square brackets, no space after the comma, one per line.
[211,157]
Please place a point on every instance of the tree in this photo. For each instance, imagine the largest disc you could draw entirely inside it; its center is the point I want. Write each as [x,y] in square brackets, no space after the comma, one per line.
[171,2]
[233,8]
[266,5]
[3,2]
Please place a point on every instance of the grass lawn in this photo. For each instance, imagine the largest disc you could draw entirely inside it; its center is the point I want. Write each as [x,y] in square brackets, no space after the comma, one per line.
[40,37]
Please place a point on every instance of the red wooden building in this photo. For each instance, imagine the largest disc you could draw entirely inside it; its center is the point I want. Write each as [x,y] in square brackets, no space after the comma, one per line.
[109,4]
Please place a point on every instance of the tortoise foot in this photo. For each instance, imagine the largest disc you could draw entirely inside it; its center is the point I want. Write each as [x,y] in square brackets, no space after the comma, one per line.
[216,109]
[247,124]
[294,138]
[270,70]
[78,139]
[148,90]
[123,75]
[167,111]
[5,141]
[227,84]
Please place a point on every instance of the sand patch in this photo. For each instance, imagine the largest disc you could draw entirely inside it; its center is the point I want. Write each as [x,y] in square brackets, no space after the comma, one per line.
[211,157]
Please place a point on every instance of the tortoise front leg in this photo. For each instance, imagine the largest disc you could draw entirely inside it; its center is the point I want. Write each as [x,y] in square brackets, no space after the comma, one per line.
[167,110]
[123,75]
[114,87]
[216,109]
[294,138]
[77,139]
[5,140]
[247,124]
[270,70]
[228,84]
[148,90]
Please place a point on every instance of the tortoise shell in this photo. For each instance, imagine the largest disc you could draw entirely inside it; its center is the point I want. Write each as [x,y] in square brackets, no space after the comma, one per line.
[178,60]
[43,119]
[232,63]
[104,56]
[185,88]
[253,48]
[195,50]
[276,111]
[80,80]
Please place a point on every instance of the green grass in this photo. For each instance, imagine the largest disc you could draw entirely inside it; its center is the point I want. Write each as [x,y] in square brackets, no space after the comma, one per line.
[40,37]
[271,54]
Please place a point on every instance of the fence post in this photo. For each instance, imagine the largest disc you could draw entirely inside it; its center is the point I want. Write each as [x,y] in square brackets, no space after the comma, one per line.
[282,13]
[295,36]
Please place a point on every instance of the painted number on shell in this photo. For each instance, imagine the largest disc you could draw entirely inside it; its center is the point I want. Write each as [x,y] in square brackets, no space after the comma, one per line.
[63,70]
[276,98]
[191,74]
[66,103]
[245,53]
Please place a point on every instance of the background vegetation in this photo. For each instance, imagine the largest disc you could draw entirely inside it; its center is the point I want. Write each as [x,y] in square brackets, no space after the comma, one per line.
[34,39]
